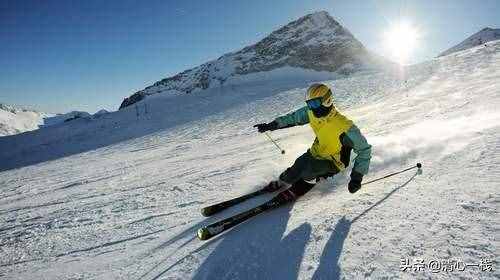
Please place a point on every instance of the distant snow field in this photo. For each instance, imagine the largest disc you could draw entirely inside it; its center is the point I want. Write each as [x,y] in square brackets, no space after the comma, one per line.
[14,120]
[118,197]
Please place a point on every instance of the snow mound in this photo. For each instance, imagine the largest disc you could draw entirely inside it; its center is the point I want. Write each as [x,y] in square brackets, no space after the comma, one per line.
[101,112]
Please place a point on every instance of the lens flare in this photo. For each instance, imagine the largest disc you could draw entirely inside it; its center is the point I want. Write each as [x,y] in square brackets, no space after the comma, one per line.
[400,40]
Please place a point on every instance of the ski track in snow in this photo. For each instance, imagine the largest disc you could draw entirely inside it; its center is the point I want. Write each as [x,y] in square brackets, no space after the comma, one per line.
[130,210]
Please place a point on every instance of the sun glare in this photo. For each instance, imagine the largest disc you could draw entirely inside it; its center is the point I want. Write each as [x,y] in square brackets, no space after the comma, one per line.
[400,40]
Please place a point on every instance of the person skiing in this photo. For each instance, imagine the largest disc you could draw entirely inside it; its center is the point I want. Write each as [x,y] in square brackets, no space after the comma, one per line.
[336,136]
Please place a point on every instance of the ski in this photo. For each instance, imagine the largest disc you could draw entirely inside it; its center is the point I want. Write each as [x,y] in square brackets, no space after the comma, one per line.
[216,208]
[280,199]
[216,228]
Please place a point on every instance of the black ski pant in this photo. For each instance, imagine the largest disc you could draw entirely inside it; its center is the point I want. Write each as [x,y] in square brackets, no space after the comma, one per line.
[307,168]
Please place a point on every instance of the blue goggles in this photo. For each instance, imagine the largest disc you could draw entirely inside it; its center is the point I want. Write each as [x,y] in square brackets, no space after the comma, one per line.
[314,103]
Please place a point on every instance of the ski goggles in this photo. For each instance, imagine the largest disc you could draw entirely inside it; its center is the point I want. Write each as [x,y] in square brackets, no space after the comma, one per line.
[314,104]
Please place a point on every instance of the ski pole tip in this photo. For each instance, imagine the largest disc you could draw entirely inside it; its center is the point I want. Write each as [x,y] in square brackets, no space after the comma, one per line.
[419,165]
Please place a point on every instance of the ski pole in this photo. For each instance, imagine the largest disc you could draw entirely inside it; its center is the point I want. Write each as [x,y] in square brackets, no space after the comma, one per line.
[278,146]
[419,165]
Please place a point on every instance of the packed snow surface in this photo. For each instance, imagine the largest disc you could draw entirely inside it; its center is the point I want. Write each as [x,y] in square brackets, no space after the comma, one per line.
[118,197]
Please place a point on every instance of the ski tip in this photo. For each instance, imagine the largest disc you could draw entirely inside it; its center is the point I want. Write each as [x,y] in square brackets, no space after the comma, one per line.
[419,165]
[206,211]
[203,234]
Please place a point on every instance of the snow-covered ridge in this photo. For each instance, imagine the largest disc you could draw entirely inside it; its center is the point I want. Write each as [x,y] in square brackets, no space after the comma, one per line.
[485,35]
[313,42]
[14,109]
[14,120]
[60,118]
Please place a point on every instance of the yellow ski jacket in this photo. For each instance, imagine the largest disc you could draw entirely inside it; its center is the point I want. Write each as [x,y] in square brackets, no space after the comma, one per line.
[336,136]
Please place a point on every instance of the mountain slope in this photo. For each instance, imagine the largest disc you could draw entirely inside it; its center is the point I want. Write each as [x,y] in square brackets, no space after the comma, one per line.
[482,37]
[130,210]
[15,120]
[315,42]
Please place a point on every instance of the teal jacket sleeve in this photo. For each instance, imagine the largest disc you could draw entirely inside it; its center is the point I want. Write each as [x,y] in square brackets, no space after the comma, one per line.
[358,142]
[299,117]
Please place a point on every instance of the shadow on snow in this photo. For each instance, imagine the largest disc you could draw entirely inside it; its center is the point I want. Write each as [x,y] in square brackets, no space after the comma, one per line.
[259,250]
[329,266]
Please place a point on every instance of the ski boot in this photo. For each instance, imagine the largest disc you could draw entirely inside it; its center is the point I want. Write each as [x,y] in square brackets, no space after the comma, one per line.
[276,185]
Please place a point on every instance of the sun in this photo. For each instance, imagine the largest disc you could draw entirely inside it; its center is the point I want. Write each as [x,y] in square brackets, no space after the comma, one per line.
[400,41]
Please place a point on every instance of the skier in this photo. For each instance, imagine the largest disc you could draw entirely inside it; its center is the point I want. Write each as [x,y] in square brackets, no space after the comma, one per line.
[330,153]
[336,137]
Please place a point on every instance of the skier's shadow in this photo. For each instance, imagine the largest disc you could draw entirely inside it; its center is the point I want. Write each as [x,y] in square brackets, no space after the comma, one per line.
[329,267]
[257,250]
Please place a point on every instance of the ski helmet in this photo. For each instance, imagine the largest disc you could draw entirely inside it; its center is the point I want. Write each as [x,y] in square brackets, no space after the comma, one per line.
[319,100]
[321,91]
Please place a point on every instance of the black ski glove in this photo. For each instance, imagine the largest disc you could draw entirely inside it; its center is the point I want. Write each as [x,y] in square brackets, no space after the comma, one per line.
[355,183]
[263,127]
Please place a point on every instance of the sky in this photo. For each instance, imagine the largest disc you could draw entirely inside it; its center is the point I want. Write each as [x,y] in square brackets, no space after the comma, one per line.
[59,56]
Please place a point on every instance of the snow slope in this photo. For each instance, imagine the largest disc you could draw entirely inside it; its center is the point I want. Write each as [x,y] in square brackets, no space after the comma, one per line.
[15,120]
[482,37]
[128,207]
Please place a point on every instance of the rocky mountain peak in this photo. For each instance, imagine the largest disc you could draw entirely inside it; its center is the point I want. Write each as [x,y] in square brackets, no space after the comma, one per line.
[310,22]
[314,42]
